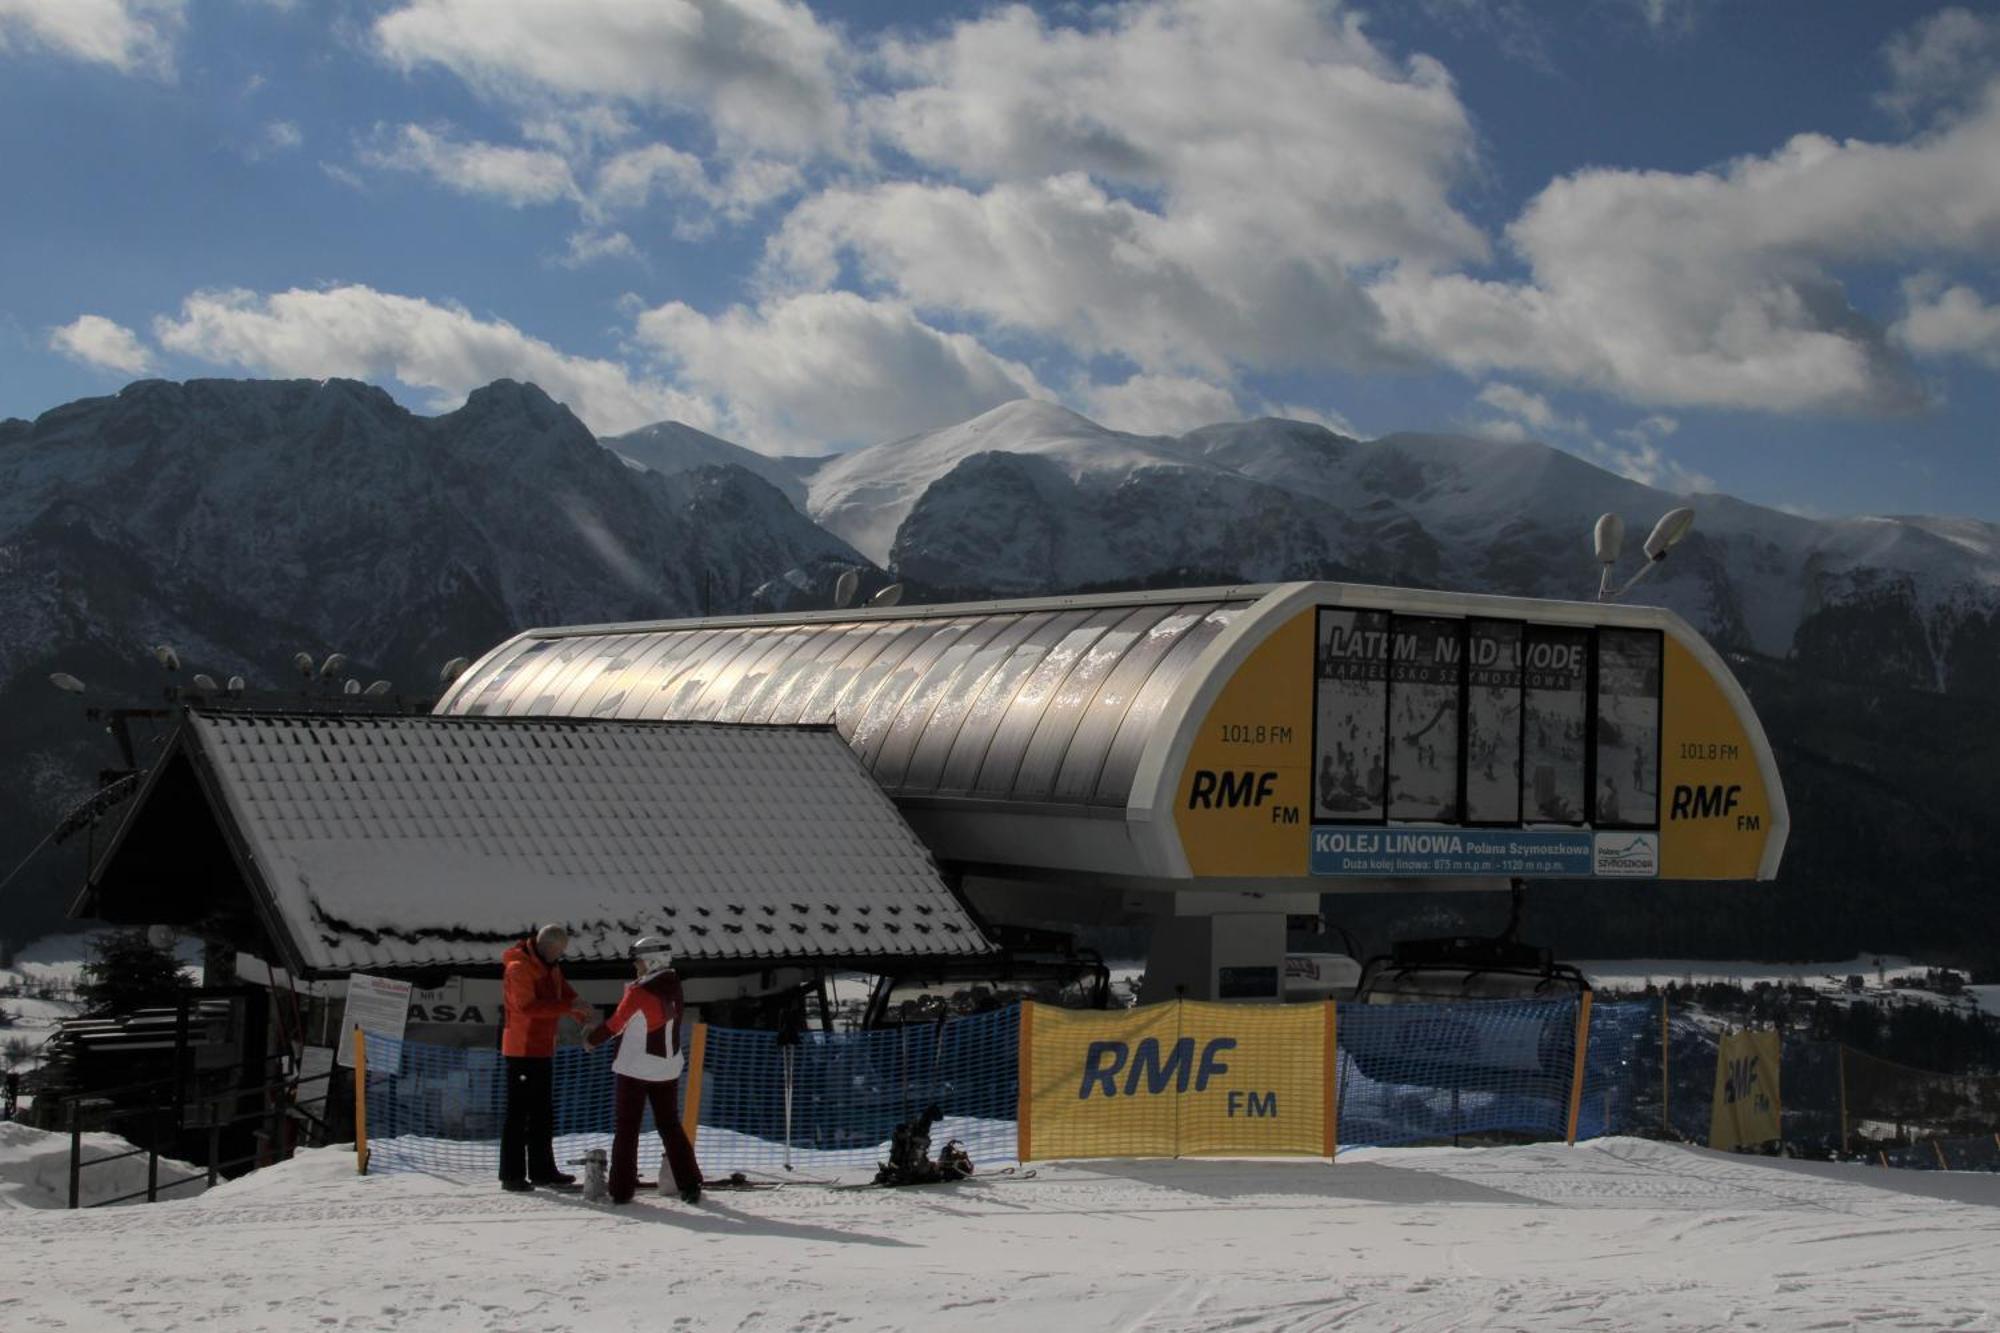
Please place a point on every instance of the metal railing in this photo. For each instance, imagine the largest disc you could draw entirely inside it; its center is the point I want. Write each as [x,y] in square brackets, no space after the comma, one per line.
[288,1106]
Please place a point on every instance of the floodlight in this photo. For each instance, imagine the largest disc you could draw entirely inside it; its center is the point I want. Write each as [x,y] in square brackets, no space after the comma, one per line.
[204,681]
[1674,525]
[889,596]
[845,587]
[333,663]
[65,682]
[378,688]
[453,669]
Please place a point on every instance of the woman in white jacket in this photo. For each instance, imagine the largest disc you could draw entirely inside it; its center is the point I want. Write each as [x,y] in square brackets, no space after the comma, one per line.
[649,1025]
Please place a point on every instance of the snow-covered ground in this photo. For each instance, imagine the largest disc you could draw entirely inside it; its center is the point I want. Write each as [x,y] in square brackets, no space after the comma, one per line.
[34,1170]
[1615,1234]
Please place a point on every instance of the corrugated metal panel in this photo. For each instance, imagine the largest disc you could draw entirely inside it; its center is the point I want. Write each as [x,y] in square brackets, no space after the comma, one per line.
[1002,765]
[1050,703]
[983,719]
[927,762]
[912,721]
[1114,784]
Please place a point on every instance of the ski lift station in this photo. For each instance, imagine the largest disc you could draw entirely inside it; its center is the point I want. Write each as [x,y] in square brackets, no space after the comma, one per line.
[1213,761]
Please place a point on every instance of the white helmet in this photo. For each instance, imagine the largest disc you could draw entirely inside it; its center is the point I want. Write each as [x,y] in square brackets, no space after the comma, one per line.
[656,953]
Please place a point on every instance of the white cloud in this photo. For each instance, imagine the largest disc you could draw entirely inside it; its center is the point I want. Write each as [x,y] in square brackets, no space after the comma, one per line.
[1717,288]
[1946,59]
[97,341]
[767,74]
[587,247]
[281,136]
[358,332]
[1192,184]
[1530,411]
[516,176]
[1158,404]
[830,367]
[128,35]
[1941,320]
[1642,460]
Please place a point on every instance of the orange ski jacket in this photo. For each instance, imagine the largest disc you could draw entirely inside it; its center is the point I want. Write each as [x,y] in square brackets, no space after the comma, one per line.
[536,998]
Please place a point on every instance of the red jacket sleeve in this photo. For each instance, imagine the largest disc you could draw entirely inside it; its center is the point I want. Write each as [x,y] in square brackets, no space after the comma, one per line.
[612,1026]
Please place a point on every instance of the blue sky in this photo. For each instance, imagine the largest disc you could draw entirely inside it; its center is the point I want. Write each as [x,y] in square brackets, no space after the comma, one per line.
[1744,247]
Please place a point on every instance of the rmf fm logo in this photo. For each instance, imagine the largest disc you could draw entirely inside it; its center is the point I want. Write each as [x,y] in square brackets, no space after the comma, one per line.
[1232,789]
[1105,1060]
[1711,801]
[1741,1083]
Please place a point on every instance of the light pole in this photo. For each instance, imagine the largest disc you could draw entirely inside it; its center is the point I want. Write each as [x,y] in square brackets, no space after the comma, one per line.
[1609,539]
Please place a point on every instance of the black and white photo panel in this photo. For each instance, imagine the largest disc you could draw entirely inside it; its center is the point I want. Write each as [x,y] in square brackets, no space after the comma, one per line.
[1424,669]
[1557,668]
[1350,702]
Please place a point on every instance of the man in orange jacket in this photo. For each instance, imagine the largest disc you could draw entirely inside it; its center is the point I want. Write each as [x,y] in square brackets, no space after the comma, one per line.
[537,999]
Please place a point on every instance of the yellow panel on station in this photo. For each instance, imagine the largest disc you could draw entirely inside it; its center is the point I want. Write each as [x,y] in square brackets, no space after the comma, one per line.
[1245,796]
[1715,813]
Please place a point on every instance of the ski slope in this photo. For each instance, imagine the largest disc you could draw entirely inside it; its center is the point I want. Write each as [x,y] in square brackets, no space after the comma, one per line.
[1621,1233]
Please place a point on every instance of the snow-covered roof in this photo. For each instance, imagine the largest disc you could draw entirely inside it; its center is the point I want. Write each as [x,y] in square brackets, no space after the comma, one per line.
[410,842]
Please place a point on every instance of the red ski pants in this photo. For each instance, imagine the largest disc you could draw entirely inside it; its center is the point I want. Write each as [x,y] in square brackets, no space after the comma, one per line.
[632,1096]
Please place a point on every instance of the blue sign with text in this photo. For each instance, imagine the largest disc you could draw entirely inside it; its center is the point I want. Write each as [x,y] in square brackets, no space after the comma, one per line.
[1386,851]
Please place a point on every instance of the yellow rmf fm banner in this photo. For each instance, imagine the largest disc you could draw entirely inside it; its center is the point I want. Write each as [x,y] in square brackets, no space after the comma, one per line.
[1180,1079]
[1747,1102]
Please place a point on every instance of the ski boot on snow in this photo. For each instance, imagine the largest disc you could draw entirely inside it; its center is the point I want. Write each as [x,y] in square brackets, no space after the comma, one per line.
[596,1174]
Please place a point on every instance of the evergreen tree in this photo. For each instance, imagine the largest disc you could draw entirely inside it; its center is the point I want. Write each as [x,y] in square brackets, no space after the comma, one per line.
[127,972]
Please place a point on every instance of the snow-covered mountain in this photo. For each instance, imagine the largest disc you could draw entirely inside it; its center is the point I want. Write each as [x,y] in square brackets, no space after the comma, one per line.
[244,521]
[1030,497]
[670,448]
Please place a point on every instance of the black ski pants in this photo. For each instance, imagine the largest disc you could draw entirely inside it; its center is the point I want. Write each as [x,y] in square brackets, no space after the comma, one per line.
[528,1136]
[633,1096]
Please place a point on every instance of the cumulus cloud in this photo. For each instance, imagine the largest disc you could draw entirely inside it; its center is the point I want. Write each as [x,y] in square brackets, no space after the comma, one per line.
[97,341]
[766,74]
[1949,320]
[1518,415]
[588,247]
[830,367]
[1097,201]
[358,332]
[516,176]
[1158,404]
[128,35]
[1717,288]
[281,136]
[1522,415]
[1943,61]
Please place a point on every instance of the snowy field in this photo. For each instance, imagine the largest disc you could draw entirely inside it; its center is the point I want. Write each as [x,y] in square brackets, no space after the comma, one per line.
[1619,1234]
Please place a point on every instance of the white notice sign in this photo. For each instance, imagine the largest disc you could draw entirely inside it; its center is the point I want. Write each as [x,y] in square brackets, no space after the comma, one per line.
[378,1006]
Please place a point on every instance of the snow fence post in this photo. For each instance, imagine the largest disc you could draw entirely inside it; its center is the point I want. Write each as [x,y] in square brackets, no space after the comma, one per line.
[1330,1079]
[360,1103]
[1576,1074]
[1841,1049]
[1666,1068]
[691,1094]
[1024,1055]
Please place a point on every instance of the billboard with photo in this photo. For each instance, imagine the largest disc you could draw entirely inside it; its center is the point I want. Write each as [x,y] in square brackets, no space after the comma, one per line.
[1350,714]
[1425,667]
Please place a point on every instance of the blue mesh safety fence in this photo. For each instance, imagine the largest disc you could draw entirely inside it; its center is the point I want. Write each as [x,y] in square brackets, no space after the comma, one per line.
[849,1091]
[1423,1072]
[1407,1074]
[438,1108]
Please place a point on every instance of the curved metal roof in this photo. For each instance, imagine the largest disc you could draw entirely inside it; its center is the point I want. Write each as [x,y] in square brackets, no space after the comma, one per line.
[1049,701]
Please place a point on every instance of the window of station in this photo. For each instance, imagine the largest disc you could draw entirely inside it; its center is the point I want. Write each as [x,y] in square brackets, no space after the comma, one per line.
[1437,720]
